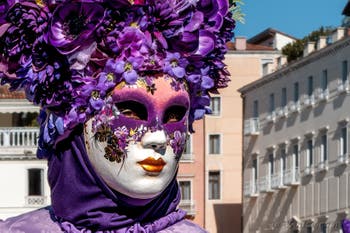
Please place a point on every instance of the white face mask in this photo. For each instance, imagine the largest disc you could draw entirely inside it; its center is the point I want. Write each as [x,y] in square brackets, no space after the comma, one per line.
[150,162]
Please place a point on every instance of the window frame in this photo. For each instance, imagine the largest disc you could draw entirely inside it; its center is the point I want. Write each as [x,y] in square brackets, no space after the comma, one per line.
[272,103]
[284,97]
[211,105]
[190,186]
[343,142]
[255,108]
[296,92]
[310,153]
[324,80]
[42,181]
[310,85]
[209,143]
[345,71]
[219,193]
[324,155]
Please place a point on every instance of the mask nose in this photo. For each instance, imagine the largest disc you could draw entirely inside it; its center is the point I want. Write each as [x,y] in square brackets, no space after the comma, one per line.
[155,140]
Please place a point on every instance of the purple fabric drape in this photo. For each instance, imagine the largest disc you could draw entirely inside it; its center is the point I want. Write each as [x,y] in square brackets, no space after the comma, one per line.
[81,200]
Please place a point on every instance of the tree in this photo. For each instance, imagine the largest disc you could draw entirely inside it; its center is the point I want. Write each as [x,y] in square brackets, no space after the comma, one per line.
[295,49]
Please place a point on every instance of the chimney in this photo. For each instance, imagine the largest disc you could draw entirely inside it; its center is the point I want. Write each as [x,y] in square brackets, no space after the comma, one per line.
[338,34]
[322,42]
[309,48]
[241,43]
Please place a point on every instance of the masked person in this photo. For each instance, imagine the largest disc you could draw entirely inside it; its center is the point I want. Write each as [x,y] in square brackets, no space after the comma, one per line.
[119,85]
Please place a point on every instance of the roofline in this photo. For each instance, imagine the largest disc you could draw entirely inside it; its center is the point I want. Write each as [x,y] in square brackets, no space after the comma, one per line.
[331,49]
[267,32]
[254,52]
[346,9]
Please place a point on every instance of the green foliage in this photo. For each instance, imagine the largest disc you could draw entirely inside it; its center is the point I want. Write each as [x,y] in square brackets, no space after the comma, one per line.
[295,49]
[236,10]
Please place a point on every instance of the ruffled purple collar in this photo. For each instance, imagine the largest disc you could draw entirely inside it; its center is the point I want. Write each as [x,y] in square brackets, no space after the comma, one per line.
[82,202]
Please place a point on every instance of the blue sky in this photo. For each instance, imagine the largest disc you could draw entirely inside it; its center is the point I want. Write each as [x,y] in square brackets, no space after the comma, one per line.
[294,17]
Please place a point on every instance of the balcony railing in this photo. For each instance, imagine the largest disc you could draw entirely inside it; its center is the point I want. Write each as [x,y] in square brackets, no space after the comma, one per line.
[308,171]
[322,95]
[252,126]
[291,177]
[343,86]
[282,112]
[265,184]
[19,137]
[277,181]
[250,189]
[309,101]
[36,200]
[189,206]
[294,107]
[271,117]
[343,159]
[323,166]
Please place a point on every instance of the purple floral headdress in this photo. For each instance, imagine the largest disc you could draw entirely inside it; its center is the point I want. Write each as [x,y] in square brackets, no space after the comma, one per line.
[69,55]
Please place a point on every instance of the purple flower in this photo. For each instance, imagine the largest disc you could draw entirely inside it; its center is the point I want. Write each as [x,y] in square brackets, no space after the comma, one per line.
[132,42]
[73,25]
[122,133]
[175,65]
[178,143]
[127,69]
[206,43]
[4,7]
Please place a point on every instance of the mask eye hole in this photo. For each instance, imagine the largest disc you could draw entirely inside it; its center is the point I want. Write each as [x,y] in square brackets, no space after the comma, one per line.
[133,110]
[174,113]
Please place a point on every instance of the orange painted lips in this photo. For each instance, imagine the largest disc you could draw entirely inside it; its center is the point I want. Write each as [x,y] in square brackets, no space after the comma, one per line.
[152,165]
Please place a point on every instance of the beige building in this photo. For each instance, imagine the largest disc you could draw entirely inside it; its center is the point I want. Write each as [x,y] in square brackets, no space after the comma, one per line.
[296,175]
[191,176]
[246,62]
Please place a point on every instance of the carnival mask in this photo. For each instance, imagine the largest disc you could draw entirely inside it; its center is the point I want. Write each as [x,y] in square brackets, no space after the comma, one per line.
[137,140]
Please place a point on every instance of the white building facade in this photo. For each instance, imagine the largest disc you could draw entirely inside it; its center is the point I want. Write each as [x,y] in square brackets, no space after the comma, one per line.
[23,178]
[296,171]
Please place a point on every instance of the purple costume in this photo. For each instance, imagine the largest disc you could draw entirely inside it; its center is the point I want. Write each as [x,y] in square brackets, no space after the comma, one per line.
[69,56]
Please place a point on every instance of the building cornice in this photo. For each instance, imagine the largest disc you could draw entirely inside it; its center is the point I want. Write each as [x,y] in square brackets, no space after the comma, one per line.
[329,50]
[250,52]
[21,157]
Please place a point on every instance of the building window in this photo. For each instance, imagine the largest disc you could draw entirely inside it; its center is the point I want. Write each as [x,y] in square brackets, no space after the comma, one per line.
[324,81]
[324,148]
[185,187]
[309,153]
[255,169]
[284,97]
[296,156]
[272,103]
[296,92]
[256,109]
[271,165]
[323,227]
[310,86]
[309,228]
[214,144]
[343,141]
[344,71]
[35,182]
[214,185]
[265,66]
[188,145]
[215,105]
[283,161]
